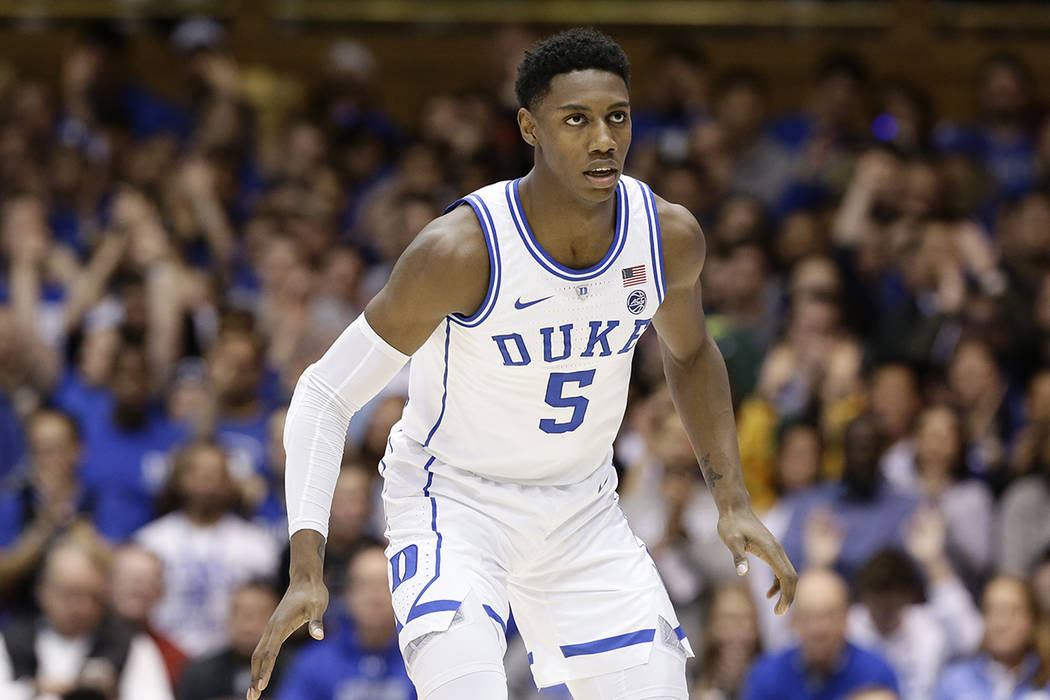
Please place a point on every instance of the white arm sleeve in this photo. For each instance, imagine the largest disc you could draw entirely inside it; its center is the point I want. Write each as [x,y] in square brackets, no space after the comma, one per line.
[356,368]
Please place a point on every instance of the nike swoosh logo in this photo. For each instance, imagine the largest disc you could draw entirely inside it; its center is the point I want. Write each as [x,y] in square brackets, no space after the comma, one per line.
[519,304]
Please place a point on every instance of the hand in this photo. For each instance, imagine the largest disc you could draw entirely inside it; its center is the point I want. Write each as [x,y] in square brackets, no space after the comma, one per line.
[197,178]
[822,540]
[743,533]
[925,536]
[876,171]
[304,602]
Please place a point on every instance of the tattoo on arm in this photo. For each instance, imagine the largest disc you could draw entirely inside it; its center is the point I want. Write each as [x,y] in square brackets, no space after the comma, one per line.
[709,473]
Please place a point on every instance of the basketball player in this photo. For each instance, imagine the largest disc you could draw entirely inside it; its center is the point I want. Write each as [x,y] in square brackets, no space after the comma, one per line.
[521,307]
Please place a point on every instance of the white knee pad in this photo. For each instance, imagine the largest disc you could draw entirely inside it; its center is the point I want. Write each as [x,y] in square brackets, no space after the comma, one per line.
[464,661]
[661,678]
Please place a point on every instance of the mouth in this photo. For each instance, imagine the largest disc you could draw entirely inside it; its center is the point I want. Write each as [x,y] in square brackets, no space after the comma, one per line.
[603,177]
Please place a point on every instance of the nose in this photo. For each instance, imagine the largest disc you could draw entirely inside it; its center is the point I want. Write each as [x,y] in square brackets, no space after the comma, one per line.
[602,140]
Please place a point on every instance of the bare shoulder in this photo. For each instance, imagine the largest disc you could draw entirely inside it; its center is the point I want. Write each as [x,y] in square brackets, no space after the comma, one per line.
[444,270]
[683,244]
[452,244]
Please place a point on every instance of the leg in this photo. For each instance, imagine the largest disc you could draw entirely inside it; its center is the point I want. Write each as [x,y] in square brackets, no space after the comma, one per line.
[662,678]
[464,661]
[592,604]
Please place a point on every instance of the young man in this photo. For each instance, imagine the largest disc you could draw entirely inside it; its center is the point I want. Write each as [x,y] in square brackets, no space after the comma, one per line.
[522,311]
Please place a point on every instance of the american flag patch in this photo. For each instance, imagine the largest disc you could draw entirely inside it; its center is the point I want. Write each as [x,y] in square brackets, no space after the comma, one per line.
[633,275]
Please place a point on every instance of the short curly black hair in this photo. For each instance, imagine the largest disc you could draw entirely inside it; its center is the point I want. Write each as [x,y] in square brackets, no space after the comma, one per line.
[580,48]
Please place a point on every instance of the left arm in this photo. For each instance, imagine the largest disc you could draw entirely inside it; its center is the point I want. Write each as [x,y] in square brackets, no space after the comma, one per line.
[699,384]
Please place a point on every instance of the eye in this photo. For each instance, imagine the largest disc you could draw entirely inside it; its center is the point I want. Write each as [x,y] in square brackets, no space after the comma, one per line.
[618,117]
[575,119]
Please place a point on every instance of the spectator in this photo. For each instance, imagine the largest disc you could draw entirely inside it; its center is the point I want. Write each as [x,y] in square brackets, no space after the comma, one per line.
[761,166]
[888,618]
[893,390]
[731,644]
[136,585]
[939,476]
[823,664]
[206,548]
[1024,530]
[73,645]
[981,392]
[42,505]
[127,441]
[362,659]
[1003,142]
[868,511]
[1009,664]
[235,366]
[227,673]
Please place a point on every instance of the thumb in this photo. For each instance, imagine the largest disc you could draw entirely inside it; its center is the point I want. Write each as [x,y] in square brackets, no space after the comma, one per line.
[737,547]
[315,626]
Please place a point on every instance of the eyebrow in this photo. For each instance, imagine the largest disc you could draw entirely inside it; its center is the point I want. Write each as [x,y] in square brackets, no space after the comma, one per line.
[581,108]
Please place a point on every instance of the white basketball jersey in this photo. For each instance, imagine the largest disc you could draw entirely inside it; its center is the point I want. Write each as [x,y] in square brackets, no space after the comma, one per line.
[533,386]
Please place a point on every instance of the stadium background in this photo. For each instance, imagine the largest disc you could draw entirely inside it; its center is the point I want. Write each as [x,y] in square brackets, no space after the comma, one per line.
[193,208]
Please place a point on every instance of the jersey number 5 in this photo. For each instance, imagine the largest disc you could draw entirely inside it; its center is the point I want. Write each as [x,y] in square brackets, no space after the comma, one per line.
[556,398]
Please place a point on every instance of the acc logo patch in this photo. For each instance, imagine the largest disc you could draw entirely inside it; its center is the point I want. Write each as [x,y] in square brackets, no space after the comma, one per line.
[636,301]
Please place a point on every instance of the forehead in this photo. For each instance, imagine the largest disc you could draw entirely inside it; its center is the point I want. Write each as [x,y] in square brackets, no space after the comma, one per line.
[593,88]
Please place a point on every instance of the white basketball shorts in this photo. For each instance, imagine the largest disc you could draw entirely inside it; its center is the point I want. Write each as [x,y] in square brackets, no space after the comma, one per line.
[585,593]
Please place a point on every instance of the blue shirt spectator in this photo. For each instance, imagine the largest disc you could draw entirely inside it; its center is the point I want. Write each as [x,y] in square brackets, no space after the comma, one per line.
[981,678]
[784,676]
[823,666]
[343,668]
[361,662]
[126,446]
[870,513]
[1009,666]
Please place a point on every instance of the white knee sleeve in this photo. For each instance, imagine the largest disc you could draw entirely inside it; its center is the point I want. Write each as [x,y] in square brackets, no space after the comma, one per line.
[662,678]
[464,661]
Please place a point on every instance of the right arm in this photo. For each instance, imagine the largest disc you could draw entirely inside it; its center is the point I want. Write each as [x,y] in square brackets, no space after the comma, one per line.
[444,271]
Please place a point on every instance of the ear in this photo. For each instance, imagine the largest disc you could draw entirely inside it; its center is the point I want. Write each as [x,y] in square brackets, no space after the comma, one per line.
[527,125]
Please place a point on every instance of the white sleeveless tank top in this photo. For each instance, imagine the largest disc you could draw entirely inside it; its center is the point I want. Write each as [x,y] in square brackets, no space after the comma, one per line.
[533,386]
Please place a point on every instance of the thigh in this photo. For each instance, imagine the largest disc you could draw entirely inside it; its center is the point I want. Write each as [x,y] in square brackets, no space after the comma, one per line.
[592,602]
[440,549]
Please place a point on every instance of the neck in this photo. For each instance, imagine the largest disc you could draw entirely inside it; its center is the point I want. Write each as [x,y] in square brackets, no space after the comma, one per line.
[202,516]
[934,480]
[375,638]
[1011,662]
[561,222]
[245,409]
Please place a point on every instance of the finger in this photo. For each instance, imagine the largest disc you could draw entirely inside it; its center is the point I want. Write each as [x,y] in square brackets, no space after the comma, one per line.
[773,589]
[315,626]
[265,655]
[737,546]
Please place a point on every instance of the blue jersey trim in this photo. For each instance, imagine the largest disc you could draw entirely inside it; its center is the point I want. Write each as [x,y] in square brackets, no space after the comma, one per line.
[541,256]
[495,616]
[437,555]
[530,657]
[481,211]
[655,241]
[444,390]
[608,644]
[432,606]
[679,632]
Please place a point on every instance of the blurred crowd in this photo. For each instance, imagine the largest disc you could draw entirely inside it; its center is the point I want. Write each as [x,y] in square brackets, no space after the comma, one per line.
[878,279]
